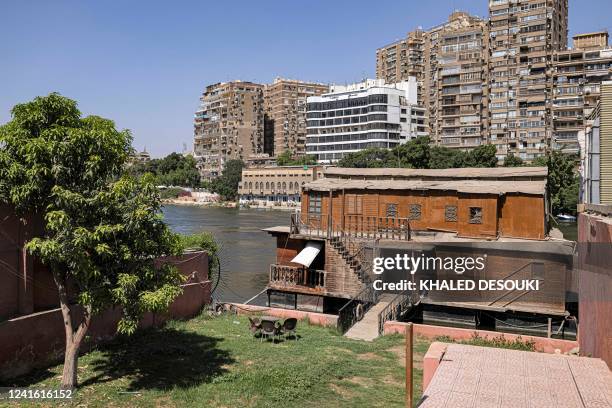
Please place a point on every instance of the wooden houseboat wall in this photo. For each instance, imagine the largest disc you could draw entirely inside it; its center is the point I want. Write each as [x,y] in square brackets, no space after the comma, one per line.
[512,215]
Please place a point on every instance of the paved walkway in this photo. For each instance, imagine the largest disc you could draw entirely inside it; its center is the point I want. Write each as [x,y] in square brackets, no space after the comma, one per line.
[470,376]
[367,328]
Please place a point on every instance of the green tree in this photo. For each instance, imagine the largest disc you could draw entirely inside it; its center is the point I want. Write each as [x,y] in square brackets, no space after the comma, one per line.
[513,161]
[102,231]
[286,158]
[441,157]
[226,185]
[172,170]
[481,156]
[563,182]
[413,154]
[369,158]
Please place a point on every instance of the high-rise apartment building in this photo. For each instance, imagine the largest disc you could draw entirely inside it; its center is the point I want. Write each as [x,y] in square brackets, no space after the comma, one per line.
[402,59]
[578,74]
[524,34]
[228,125]
[285,114]
[363,115]
[457,69]
[450,64]
[511,57]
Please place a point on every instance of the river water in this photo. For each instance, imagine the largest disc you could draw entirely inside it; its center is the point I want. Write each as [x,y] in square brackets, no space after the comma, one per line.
[246,251]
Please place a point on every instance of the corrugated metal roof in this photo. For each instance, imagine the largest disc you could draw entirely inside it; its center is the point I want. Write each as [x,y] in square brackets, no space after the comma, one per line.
[537,187]
[480,173]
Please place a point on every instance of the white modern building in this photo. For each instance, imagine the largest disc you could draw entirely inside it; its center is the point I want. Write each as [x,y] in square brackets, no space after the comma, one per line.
[358,116]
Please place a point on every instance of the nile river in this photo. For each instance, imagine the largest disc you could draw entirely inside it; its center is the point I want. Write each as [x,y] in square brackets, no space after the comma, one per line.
[246,251]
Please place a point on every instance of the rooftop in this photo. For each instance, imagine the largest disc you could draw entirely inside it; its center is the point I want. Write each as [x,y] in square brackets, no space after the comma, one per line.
[474,172]
[499,187]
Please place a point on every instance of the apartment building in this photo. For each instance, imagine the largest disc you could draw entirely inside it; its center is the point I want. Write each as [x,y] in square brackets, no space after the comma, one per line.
[450,64]
[458,73]
[285,114]
[228,125]
[363,115]
[523,36]
[577,77]
[402,59]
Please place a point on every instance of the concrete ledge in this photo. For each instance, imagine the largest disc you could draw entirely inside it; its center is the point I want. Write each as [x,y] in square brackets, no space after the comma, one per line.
[319,319]
[431,361]
[542,344]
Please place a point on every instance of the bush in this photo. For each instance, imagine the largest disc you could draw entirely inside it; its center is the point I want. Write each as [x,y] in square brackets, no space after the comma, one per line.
[497,342]
[172,192]
[204,241]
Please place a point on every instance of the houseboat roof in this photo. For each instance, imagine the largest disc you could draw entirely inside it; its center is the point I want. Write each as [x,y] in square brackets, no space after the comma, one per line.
[525,173]
[499,187]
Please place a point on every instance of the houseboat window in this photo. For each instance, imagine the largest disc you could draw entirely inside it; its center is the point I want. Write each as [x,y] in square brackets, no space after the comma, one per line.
[450,213]
[414,212]
[475,215]
[392,210]
[314,203]
[353,204]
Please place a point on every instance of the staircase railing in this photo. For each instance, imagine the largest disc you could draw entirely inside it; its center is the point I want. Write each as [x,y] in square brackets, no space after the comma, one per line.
[356,308]
[398,307]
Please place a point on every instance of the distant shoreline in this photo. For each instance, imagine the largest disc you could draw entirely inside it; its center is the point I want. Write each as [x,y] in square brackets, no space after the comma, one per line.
[224,204]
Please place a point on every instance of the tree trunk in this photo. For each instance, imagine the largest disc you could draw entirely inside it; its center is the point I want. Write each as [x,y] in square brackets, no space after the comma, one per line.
[73,338]
[71,360]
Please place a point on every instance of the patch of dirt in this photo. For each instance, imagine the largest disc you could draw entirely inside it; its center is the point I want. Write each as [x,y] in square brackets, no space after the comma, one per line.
[164,402]
[388,379]
[248,363]
[368,356]
[343,392]
[336,349]
[400,352]
[364,382]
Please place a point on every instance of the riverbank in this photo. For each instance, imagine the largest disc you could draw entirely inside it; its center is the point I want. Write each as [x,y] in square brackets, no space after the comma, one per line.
[227,204]
[194,203]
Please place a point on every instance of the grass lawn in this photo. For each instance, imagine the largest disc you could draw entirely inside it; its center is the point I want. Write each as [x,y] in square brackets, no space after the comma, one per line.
[216,362]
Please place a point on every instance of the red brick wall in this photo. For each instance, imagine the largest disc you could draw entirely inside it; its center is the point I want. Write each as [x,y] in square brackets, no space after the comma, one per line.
[37,339]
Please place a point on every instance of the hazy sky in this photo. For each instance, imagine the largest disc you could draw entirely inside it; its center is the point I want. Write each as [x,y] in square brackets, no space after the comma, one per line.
[144,63]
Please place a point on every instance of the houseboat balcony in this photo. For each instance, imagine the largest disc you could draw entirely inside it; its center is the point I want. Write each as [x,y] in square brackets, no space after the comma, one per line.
[298,279]
[367,227]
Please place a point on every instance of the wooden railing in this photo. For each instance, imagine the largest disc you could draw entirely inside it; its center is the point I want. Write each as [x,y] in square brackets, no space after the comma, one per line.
[291,276]
[377,227]
[354,225]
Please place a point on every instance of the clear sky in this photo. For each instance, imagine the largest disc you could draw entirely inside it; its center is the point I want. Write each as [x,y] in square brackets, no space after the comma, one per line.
[144,63]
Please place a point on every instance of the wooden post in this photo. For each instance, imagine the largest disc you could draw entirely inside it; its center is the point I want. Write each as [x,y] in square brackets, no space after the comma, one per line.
[409,379]
[549,331]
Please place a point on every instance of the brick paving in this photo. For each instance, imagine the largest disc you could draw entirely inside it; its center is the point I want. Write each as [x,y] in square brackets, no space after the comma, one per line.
[484,377]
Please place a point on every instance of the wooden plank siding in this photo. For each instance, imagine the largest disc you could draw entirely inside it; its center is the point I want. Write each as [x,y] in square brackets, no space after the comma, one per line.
[513,215]
[522,217]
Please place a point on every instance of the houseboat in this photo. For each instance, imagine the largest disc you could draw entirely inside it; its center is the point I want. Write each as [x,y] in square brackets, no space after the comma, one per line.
[352,216]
